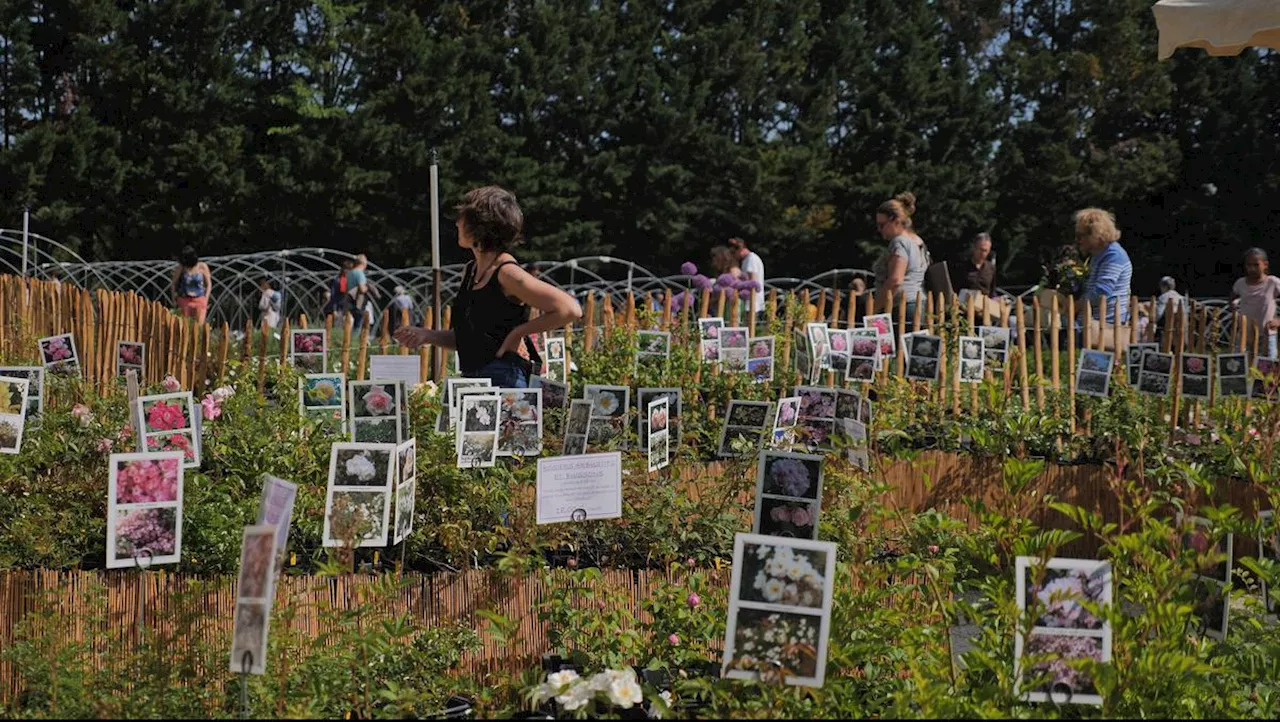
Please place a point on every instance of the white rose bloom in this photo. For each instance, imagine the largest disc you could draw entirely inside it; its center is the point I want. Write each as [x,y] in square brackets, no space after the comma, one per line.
[561,678]
[773,590]
[576,698]
[795,571]
[625,693]
[760,580]
[361,468]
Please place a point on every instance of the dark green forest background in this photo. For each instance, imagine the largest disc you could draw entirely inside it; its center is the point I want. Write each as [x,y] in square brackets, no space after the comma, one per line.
[644,129]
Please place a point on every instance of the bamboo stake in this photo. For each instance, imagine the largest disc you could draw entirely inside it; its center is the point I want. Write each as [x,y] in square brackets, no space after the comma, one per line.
[1022,354]
[772,306]
[1039,321]
[720,301]
[347,322]
[262,360]
[1071,354]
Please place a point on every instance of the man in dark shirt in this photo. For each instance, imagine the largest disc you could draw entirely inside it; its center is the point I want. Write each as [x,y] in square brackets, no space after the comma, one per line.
[976,271]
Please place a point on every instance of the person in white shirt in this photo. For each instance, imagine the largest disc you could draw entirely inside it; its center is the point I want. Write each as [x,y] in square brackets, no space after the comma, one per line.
[1167,295]
[753,267]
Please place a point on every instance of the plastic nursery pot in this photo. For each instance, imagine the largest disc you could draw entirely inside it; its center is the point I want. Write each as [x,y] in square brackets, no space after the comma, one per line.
[459,707]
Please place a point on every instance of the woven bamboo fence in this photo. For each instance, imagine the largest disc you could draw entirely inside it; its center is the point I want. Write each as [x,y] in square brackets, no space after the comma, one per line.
[54,600]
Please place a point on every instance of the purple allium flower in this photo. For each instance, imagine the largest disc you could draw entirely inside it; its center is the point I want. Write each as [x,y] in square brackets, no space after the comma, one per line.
[688,268]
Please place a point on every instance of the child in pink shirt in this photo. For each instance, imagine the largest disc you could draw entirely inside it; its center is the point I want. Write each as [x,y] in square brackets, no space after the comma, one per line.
[1256,295]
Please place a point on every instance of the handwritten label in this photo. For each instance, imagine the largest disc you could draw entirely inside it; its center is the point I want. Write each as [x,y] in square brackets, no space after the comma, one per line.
[590,483]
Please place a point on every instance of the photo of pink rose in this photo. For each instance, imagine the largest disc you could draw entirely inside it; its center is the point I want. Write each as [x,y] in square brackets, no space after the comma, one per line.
[166,415]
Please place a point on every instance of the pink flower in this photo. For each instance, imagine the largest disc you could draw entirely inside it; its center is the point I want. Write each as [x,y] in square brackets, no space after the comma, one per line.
[761,350]
[674,640]
[210,407]
[56,349]
[780,514]
[104,445]
[1195,365]
[572,563]
[933,548]
[694,600]
[82,414]
[170,384]
[147,481]
[689,562]
[165,417]
[124,433]
[1193,439]
[801,516]
[379,402]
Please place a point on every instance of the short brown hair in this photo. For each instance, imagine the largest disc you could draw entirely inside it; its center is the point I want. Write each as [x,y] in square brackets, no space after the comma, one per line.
[493,218]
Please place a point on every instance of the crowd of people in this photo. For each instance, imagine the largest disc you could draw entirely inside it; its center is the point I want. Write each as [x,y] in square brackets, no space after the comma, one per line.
[492,310]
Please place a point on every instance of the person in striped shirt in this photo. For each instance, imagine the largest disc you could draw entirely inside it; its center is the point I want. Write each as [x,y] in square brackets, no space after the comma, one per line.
[1110,271]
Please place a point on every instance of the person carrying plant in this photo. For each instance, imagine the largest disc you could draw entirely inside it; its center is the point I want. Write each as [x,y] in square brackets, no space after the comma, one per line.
[1255,296]
[491,311]
[1110,274]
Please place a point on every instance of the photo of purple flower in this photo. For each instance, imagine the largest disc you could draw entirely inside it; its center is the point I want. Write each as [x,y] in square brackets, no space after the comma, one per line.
[1058,598]
[1060,673]
[791,476]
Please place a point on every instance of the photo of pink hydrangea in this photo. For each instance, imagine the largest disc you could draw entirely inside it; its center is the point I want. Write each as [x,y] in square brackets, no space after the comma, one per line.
[733,338]
[308,342]
[839,341]
[711,350]
[788,412]
[762,348]
[147,480]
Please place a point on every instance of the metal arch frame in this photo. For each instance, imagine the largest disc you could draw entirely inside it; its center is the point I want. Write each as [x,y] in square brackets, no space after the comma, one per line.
[304,275]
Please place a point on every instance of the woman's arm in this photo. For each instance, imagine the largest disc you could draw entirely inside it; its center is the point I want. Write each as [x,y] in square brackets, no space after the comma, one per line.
[897,271]
[208,280]
[413,337]
[173,283]
[558,309]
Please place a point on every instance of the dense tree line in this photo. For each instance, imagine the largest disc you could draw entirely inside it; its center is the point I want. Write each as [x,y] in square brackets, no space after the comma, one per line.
[647,129]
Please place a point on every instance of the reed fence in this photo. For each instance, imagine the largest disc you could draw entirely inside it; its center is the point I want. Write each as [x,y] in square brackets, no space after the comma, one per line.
[60,602]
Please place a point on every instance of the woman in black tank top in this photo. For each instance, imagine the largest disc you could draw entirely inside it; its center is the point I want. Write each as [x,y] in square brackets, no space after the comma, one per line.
[491,310]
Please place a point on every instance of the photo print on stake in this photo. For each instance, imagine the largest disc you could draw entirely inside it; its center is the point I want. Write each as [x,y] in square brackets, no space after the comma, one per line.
[924,357]
[817,423]
[520,422]
[35,387]
[608,419]
[1093,375]
[308,349]
[576,424]
[848,404]
[1133,359]
[1213,574]
[733,348]
[376,410]
[1065,597]
[807,363]
[253,600]
[779,610]
[321,397]
[59,356]
[864,354]
[1233,375]
[144,509]
[557,359]
[1195,376]
[646,395]
[276,508]
[760,358]
[131,355]
[170,423]
[654,350]
[786,415]
[788,495]
[477,441]
[820,342]
[972,355]
[839,354]
[709,338]
[555,394]
[357,509]
[883,324]
[744,423]
[1268,549]
[1153,379]
[406,488]
[1267,386]
[658,447]
[13,413]
[995,346]
[858,452]
[451,386]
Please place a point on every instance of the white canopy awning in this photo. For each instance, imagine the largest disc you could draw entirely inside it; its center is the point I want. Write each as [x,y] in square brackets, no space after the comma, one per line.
[1221,27]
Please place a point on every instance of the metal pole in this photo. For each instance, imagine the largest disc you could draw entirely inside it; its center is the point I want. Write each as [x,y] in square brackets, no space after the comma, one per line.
[435,256]
[26,233]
